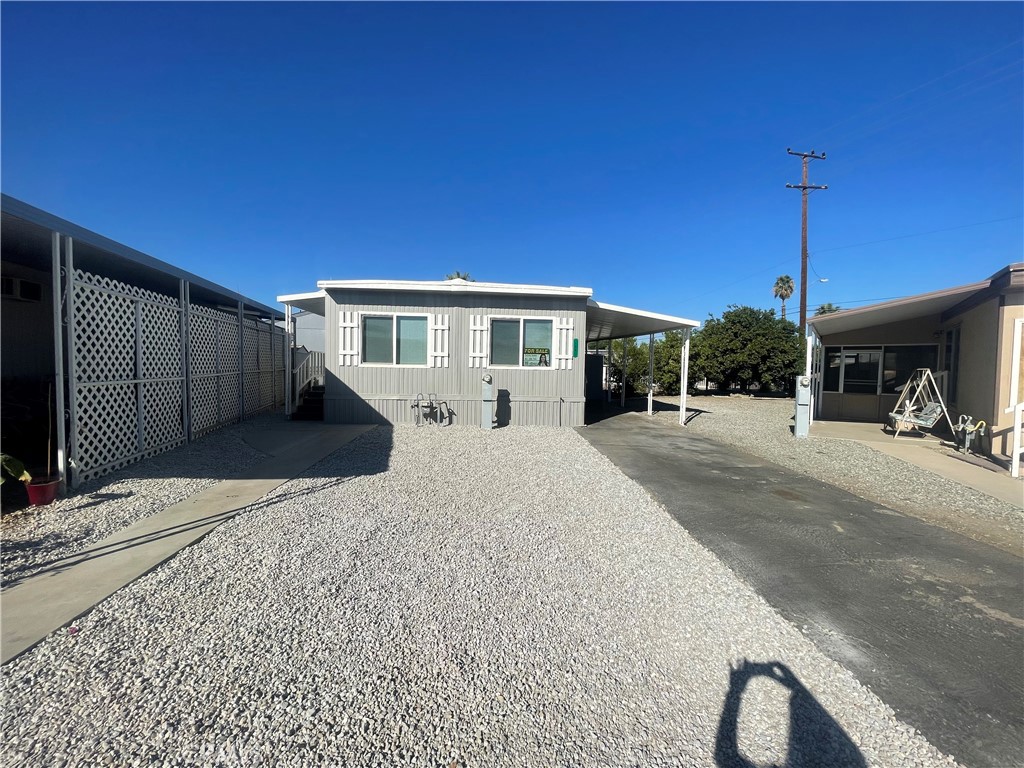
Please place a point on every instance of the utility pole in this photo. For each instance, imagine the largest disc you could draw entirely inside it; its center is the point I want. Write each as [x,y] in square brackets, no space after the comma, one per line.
[804,188]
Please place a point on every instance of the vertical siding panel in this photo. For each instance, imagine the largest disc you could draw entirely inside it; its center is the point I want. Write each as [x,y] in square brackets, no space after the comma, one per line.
[386,393]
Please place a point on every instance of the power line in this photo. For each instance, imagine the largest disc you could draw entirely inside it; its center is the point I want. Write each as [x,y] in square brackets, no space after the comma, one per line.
[922,85]
[915,234]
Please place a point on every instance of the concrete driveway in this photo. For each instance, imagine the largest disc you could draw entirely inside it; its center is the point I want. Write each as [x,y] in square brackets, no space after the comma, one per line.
[930,620]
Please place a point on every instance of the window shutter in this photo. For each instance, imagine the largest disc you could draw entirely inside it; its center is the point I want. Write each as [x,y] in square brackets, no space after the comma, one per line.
[478,341]
[348,338]
[438,335]
[563,343]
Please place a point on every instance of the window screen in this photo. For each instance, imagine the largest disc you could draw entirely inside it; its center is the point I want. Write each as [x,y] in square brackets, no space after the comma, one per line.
[412,340]
[860,371]
[901,362]
[537,343]
[505,342]
[377,340]
[833,366]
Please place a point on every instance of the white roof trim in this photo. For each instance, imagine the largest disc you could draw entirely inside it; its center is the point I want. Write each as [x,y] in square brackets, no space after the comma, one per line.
[641,313]
[291,298]
[454,286]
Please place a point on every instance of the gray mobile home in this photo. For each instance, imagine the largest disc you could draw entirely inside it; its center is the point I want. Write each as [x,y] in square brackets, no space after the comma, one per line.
[392,343]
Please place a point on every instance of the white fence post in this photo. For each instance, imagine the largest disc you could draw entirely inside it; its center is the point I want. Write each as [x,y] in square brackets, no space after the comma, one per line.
[58,359]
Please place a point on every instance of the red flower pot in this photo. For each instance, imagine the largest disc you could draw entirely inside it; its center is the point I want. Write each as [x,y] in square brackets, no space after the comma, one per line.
[42,492]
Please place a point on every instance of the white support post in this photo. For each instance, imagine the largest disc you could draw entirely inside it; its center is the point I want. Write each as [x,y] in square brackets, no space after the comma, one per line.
[622,390]
[69,268]
[684,376]
[186,359]
[650,376]
[58,361]
[608,372]
[288,360]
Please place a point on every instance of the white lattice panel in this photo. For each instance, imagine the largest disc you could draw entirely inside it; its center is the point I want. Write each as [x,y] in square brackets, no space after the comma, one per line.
[228,388]
[251,340]
[204,405]
[202,339]
[104,335]
[266,389]
[252,392]
[227,347]
[162,415]
[106,427]
[161,342]
[266,361]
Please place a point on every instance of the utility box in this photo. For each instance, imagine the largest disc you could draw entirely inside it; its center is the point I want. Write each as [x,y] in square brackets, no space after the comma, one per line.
[803,406]
[487,403]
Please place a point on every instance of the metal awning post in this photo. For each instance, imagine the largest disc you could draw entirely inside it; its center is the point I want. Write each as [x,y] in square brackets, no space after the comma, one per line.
[58,361]
[288,359]
[684,376]
[650,376]
[622,393]
[608,372]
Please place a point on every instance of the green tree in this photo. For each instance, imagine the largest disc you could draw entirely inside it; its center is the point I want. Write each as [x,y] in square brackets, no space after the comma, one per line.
[667,359]
[747,346]
[459,276]
[783,289]
[826,309]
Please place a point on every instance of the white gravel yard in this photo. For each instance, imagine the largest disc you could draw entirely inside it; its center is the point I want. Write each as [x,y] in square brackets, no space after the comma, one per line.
[503,598]
[761,426]
[107,504]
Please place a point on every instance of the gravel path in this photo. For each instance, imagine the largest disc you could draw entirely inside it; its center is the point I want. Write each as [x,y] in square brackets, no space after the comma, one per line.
[107,504]
[447,597]
[760,426]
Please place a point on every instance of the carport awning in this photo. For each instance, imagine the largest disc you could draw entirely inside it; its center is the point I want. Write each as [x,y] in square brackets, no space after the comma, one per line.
[608,321]
[313,302]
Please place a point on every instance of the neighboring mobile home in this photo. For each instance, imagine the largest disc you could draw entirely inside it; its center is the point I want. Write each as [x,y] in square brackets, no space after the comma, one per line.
[110,356]
[969,335]
[388,342]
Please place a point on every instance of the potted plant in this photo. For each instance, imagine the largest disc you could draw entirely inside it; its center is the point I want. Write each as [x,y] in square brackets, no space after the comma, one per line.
[41,490]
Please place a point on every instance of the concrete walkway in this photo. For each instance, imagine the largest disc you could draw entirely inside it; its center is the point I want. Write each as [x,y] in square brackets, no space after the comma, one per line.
[932,454]
[930,620]
[71,586]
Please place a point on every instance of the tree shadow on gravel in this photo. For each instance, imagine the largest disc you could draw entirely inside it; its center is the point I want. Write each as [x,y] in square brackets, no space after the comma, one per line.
[815,738]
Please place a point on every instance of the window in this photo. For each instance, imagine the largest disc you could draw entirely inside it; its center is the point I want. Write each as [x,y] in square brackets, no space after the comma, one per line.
[856,370]
[523,342]
[395,339]
[901,362]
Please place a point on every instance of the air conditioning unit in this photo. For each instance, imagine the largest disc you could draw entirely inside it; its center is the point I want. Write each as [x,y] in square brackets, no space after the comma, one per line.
[20,289]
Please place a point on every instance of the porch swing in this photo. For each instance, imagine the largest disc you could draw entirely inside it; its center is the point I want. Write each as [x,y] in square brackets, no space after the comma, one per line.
[921,404]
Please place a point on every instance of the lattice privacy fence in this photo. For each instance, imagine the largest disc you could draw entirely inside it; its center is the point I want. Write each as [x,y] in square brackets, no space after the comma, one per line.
[131,375]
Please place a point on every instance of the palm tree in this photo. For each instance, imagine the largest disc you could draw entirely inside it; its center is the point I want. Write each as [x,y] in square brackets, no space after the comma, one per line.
[783,290]
[826,309]
[459,276]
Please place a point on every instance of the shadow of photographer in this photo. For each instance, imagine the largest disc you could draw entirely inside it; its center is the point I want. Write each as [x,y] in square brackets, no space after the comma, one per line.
[815,738]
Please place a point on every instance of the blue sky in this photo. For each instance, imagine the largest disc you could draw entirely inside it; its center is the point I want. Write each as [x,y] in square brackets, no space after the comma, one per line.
[639,149]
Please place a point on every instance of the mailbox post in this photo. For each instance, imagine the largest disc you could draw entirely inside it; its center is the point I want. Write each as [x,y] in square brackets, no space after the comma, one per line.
[487,403]
[803,406]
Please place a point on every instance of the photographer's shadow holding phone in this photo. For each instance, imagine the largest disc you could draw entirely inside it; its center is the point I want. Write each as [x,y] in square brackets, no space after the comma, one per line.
[815,738]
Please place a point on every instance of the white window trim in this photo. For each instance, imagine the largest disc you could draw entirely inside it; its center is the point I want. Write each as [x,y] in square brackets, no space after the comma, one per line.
[394,340]
[520,367]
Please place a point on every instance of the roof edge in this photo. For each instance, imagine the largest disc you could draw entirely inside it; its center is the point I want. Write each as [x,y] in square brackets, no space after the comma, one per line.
[455,286]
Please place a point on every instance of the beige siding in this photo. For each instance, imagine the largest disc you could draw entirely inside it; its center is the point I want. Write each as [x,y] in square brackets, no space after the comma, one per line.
[1002,423]
[976,390]
[367,393]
